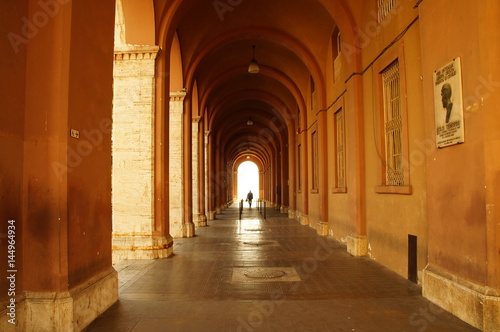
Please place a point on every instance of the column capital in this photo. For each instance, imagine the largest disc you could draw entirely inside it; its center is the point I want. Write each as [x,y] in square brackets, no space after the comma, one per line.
[177,96]
[196,119]
[136,52]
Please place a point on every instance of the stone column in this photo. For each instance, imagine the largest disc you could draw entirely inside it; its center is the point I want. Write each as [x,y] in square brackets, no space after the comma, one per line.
[292,160]
[199,218]
[178,228]
[210,177]
[134,233]
[195,178]
[202,177]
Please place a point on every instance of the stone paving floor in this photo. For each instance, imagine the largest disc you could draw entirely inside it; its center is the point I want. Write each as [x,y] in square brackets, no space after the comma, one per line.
[267,275]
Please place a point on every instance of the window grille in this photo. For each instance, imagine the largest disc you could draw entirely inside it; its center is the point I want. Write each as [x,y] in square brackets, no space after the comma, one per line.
[299,166]
[315,168]
[339,126]
[393,125]
[384,7]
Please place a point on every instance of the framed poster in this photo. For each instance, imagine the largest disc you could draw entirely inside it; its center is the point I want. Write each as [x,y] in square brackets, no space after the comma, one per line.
[448,106]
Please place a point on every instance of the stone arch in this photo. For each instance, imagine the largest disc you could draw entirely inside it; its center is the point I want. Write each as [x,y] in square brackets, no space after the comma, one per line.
[136,22]
[175,68]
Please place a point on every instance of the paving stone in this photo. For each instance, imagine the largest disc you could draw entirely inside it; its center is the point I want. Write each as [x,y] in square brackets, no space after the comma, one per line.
[194,291]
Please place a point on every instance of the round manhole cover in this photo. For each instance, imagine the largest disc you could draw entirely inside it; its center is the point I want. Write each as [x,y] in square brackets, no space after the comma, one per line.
[264,274]
[258,243]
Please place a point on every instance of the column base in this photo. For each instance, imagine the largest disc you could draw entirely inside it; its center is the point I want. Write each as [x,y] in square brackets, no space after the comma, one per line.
[322,228]
[474,304]
[357,245]
[72,310]
[211,215]
[126,246]
[182,230]
[284,209]
[188,230]
[217,210]
[202,220]
[304,220]
[292,214]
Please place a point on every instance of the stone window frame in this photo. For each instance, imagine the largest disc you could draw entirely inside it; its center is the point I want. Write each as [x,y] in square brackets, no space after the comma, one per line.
[340,183]
[384,7]
[391,56]
[314,161]
[299,167]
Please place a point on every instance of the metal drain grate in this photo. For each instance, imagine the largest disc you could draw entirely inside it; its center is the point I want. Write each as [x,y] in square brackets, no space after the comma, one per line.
[259,243]
[264,274]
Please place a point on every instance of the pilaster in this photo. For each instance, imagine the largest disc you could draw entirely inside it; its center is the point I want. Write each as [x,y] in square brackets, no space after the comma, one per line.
[211,215]
[322,228]
[474,304]
[304,220]
[357,245]
[133,153]
[64,311]
[196,169]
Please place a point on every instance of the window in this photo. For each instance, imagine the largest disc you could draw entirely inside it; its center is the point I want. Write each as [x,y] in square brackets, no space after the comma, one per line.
[393,125]
[337,62]
[315,161]
[340,181]
[384,7]
[313,93]
[392,122]
[299,167]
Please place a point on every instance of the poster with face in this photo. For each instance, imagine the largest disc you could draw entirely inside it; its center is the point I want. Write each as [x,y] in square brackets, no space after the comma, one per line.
[448,107]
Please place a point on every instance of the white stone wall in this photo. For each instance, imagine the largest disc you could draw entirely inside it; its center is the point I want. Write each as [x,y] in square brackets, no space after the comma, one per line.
[133,137]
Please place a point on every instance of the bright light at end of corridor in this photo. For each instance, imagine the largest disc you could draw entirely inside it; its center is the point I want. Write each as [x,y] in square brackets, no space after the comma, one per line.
[248,179]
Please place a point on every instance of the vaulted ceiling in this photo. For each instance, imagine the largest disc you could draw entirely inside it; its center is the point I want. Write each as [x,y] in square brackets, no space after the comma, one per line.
[292,41]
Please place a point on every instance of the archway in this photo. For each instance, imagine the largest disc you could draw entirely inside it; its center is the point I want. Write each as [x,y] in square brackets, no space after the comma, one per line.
[248,180]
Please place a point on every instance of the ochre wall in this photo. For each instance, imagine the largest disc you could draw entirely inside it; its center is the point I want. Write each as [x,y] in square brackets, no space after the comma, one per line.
[389,218]
[139,22]
[392,217]
[458,179]
[64,222]
[89,107]
[12,90]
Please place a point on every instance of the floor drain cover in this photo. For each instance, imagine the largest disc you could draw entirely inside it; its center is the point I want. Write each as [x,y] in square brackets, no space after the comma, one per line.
[264,274]
[259,243]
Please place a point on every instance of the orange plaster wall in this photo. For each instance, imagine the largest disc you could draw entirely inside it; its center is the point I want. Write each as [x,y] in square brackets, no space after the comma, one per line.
[67,237]
[89,107]
[389,218]
[456,174]
[140,22]
[392,217]
[12,90]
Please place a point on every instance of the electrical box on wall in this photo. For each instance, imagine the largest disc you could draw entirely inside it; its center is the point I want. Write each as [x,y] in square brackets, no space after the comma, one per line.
[74,133]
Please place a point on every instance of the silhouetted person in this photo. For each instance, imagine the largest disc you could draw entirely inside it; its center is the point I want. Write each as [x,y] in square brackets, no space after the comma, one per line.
[249,198]
[446,100]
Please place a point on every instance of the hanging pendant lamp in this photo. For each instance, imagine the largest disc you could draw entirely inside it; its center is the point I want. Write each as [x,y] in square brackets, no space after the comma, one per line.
[253,68]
